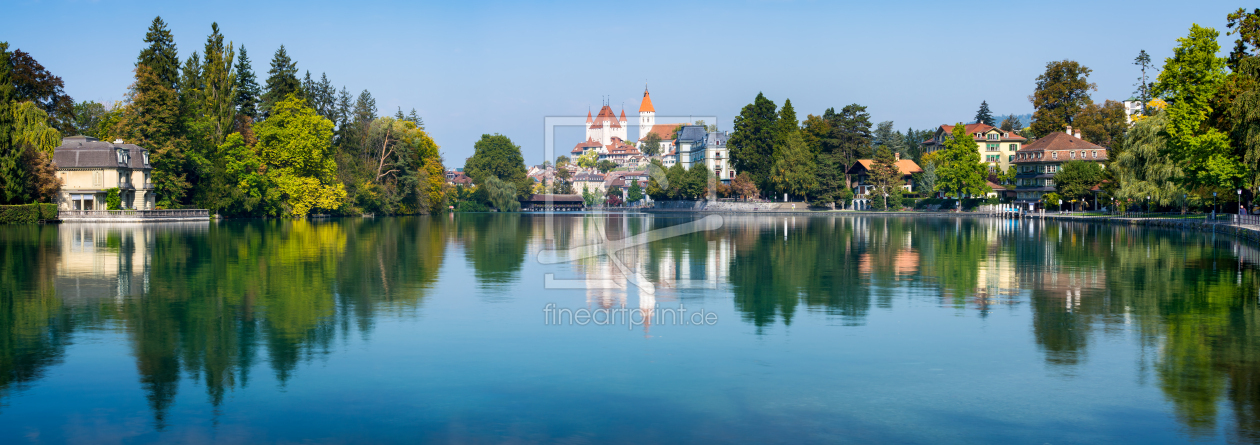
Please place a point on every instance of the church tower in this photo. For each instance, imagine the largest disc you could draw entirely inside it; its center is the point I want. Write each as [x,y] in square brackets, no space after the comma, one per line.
[624,130]
[647,115]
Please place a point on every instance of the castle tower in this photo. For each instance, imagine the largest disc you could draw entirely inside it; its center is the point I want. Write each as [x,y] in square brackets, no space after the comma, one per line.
[647,115]
[589,136]
[623,132]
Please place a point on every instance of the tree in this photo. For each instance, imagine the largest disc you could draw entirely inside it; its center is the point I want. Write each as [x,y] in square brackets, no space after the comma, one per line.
[32,82]
[1103,125]
[12,176]
[752,142]
[1143,60]
[983,115]
[88,116]
[677,182]
[927,179]
[658,181]
[1189,81]
[813,131]
[1245,122]
[219,96]
[793,171]
[564,181]
[33,140]
[502,194]
[635,193]
[885,175]
[496,155]
[1247,26]
[1011,123]
[788,125]
[281,81]
[247,90]
[161,56]
[1061,92]
[850,136]
[651,144]
[1144,167]
[295,144]
[961,173]
[1076,178]
[562,161]
[743,187]
[696,184]
[605,166]
[587,159]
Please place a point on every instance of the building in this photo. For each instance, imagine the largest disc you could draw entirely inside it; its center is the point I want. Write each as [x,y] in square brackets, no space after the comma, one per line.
[647,124]
[996,147]
[553,203]
[606,126]
[89,168]
[1037,163]
[1132,107]
[860,172]
[458,177]
[695,146]
[591,181]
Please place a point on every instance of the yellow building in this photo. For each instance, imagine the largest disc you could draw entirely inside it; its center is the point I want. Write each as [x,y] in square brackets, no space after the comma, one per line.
[89,167]
[997,148]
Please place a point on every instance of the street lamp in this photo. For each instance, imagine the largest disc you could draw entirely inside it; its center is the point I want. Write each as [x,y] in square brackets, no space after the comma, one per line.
[1213,206]
[1240,204]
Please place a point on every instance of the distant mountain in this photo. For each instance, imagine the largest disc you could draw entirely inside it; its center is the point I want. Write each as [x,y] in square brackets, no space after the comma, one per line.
[1024,119]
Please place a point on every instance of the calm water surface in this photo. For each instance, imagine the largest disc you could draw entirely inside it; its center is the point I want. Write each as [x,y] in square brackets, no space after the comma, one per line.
[819,329]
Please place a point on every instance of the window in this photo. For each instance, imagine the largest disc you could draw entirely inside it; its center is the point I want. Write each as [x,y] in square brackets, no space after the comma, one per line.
[992,158]
[1011,158]
[1013,147]
[1054,155]
[992,147]
[1095,153]
[993,136]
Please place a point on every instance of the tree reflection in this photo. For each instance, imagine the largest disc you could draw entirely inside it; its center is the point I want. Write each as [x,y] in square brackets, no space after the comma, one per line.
[35,328]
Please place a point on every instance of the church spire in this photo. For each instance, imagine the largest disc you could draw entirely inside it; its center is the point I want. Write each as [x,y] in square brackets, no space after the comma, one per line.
[646,105]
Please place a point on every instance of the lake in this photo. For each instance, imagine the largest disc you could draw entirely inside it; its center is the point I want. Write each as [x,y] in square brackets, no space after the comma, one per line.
[627,328]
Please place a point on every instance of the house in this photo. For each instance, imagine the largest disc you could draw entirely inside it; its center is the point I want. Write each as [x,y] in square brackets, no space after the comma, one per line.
[860,172]
[1037,163]
[553,203]
[592,182]
[89,168]
[619,153]
[457,177]
[996,147]
[711,151]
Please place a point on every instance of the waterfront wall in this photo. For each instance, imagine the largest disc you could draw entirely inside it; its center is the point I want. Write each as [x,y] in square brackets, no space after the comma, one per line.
[1249,233]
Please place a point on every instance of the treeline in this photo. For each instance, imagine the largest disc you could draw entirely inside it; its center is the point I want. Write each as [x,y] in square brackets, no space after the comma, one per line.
[289,146]
[34,112]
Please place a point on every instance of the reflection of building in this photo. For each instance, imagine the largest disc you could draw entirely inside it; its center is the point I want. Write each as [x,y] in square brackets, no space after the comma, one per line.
[89,168]
[109,260]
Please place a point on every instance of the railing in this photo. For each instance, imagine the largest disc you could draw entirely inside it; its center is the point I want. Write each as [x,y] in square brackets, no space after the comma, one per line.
[142,214]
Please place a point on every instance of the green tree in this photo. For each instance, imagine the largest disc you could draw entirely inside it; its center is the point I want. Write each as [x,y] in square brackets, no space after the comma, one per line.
[885,175]
[88,116]
[496,155]
[1104,125]
[697,182]
[281,81]
[1145,168]
[850,137]
[1061,92]
[793,171]
[635,193]
[161,56]
[658,181]
[247,90]
[219,96]
[1247,26]
[752,142]
[1143,93]
[112,200]
[787,125]
[1011,123]
[295,144]
[961,173]
[502,194]
[1245,121]
[1076,178]
[12,175]
[926,181]
[651,144]
[587,159]
[605,166]
[983,115]
[1189,81]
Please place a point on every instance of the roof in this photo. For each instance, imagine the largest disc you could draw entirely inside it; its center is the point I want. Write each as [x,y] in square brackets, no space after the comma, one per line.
[646,105]
[906,166]
[665,131]
[972,129]
[1060,147]
[585,145]
[694,133]
[605,115]
[90,152]
[588,116]
[995,187]
[716,139]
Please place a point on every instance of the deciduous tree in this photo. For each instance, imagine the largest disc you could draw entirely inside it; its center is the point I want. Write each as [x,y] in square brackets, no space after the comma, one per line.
[961,173]
[1189,81]
[496,155]
[793,171]
[1061,92]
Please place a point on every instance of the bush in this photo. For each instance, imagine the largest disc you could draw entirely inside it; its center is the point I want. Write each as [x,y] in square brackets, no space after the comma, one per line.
[27,213]
[112,199]
[471,206]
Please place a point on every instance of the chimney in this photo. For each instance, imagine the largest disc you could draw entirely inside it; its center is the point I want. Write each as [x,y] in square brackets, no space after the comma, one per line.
[1078,134]
[118,141]
[898,156]
[1069,130]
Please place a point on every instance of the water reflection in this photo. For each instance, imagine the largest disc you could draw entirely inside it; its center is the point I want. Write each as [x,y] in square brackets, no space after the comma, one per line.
[211,303]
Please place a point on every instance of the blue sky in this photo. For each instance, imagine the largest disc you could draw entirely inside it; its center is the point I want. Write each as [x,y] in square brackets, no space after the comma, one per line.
[473,67]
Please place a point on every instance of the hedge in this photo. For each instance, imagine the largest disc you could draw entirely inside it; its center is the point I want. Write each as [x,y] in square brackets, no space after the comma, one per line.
[27,213]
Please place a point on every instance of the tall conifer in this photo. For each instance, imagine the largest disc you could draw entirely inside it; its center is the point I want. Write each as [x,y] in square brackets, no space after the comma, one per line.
[281,81]
[246,86]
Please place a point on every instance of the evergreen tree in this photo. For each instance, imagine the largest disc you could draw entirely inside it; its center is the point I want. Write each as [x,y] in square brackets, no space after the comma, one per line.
[281,81]
[325,98]
[984,116]
[161,56]
[793,171]
[416,119]
[787,123]
[309,91]
[219,96]
[752,142]
[850,137]
[344,104]
[361,119]
[1011,123]
[925,182]
[12,175]
[1144,84]
[246,87]
[190,85]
